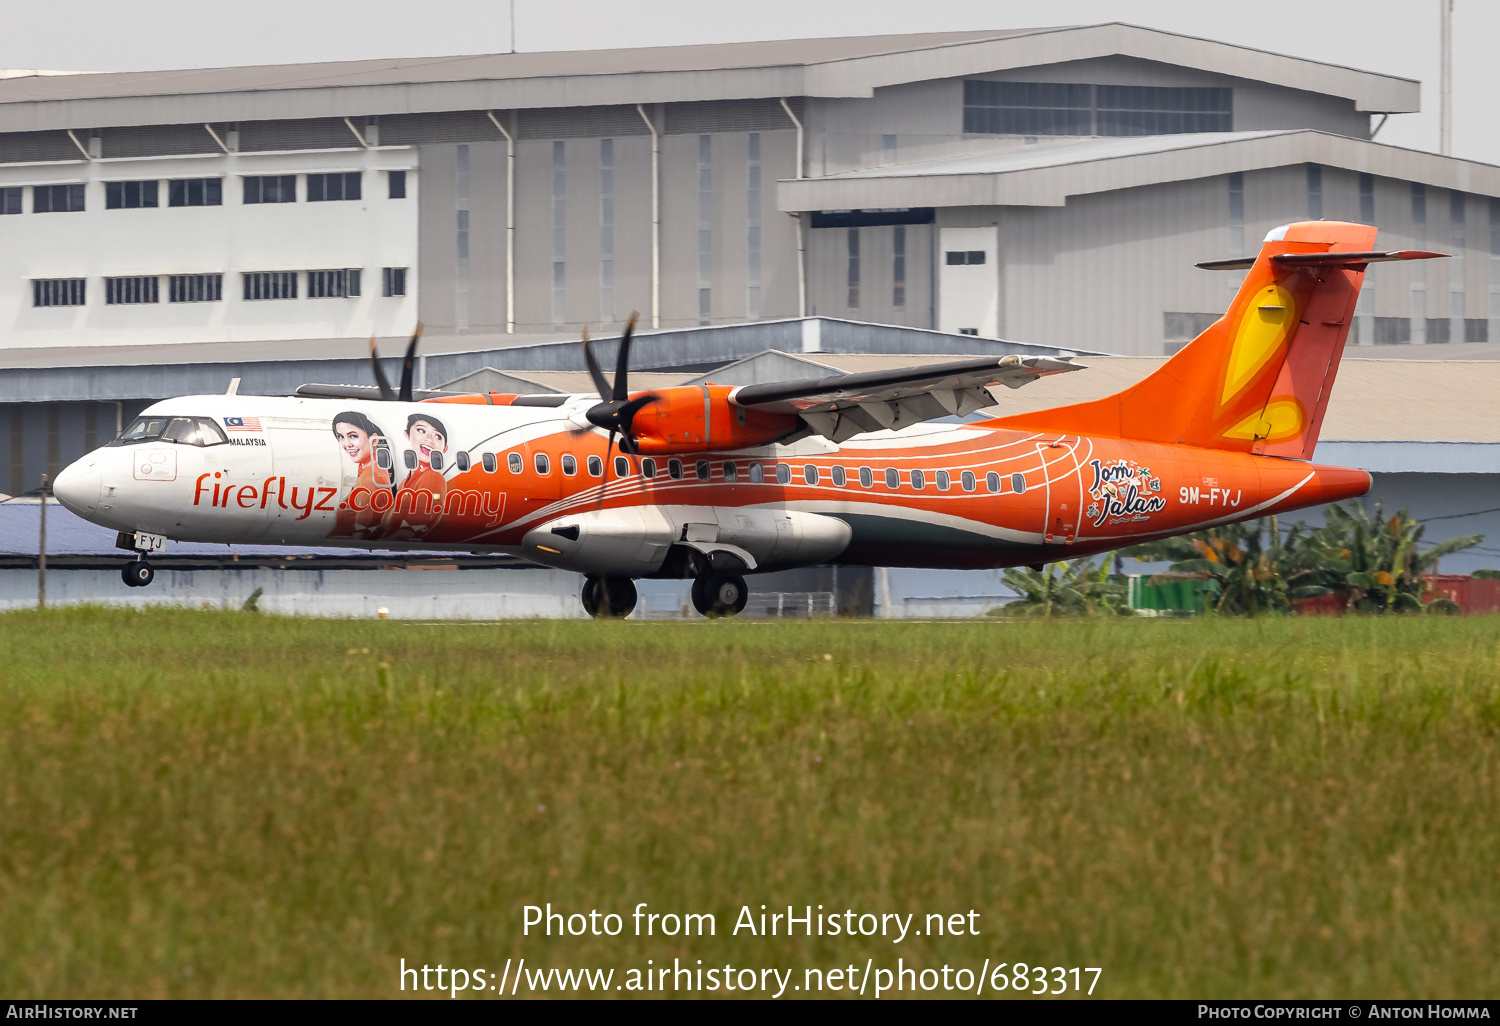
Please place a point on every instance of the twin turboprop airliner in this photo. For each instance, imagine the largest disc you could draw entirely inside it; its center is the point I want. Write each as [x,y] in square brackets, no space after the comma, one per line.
[716,482]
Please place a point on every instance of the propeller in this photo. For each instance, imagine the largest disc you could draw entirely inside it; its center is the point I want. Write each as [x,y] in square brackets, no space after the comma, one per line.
[616,410]
[408,365]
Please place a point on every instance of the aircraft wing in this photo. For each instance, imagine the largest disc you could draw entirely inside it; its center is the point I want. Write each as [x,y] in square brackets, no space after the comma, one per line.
[843,406]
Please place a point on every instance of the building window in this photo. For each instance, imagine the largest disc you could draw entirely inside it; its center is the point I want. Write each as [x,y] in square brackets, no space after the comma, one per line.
[898,266]
[195,288]
[1367,198]
[607,229]
[955,257]
[559,234]
[129,195]
[1437,331]
[1418,203]
[270,188]
[887,149]
[393,281]
[10,200]
[853,269]
[195,192]
[705,228]
[461,238]
[270,285]
[1314,192]
[752,212]
[1056,108]
[56,199]
[396,184]
[57,292]
[339,283]
[1392,331]
[129,291]
[340,185]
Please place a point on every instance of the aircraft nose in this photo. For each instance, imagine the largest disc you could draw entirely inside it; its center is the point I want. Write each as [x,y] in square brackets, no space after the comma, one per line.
[78,486]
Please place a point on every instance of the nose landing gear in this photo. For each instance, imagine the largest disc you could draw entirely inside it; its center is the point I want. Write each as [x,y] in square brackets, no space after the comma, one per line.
[138,573]
[720,594]
[608,598]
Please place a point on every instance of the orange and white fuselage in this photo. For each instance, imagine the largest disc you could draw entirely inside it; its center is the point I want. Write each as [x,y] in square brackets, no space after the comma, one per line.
[538,483]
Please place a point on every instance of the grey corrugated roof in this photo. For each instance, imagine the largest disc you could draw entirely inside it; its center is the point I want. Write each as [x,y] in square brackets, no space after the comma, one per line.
[841,66]
[1047,174]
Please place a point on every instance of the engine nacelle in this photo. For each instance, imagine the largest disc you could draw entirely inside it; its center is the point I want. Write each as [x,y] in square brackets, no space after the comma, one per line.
[634,541]
[699,418]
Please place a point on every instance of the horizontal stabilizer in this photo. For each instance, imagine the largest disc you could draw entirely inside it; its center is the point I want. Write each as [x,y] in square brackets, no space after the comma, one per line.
[1324,259]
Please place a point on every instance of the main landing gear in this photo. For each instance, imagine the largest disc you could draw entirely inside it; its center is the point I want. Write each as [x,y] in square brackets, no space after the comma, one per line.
[720,594]
[137,573]
[608,598]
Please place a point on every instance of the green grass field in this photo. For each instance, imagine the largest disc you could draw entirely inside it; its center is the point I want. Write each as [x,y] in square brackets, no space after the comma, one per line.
[199,804]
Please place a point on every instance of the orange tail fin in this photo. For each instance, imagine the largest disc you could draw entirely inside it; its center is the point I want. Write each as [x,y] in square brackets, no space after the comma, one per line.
[1258,379]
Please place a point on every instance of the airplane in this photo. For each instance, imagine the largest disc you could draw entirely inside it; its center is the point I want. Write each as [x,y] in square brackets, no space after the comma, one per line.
[715,482]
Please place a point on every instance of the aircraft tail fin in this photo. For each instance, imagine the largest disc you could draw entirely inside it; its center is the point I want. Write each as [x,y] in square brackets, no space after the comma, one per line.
[1257,379]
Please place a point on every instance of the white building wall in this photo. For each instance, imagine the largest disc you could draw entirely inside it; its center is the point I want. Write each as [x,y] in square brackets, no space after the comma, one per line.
[370,233]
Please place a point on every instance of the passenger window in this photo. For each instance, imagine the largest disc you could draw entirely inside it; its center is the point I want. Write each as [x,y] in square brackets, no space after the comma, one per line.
[810,474]
[704,470]
[968,481]
[757,473]
[1018,483]
[622,467]
[992,482]
[515,463]
[542,464]
[942,480]
[489,463]
[383,457]
[674,469]
[596,467]
[569,465]
[866,478]
[838,477]
[892,478]
[410,459]
[648,467]
[462,460]
[435,458]
[783,474]
[731,471]
[918,480]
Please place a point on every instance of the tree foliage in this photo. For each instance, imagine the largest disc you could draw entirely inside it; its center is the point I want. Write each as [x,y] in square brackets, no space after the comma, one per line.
[1076,587]
[1373,561]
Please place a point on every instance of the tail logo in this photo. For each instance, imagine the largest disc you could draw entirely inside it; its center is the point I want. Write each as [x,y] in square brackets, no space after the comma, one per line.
[1282,419]
[1263,330]
[1123,491]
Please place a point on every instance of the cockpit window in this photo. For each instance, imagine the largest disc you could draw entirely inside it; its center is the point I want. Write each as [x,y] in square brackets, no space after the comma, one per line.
[183,430]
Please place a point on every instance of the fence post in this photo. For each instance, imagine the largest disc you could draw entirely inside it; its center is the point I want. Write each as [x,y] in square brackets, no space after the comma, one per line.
[41,566]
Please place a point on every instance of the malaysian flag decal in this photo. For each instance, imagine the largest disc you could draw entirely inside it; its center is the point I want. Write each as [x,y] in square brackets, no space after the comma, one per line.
[242,423]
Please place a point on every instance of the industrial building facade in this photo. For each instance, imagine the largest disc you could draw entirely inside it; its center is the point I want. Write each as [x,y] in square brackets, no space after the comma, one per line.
[1047,186]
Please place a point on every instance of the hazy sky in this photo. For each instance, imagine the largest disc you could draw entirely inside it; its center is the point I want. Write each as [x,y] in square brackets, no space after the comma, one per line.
[1392,36]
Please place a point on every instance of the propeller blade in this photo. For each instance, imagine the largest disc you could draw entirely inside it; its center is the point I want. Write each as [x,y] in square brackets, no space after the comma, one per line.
[622,362]
[595,371]
[381,381]
[409,363]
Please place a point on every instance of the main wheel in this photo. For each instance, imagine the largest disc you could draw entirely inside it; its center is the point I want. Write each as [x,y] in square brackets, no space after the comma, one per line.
[137,574]
[608,597]
[720,594]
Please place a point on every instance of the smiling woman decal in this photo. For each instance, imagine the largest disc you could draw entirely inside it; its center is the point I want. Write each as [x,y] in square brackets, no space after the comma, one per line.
[419,500]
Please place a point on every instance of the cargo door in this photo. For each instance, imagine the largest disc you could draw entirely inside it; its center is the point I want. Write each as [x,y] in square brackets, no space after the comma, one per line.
[1062,477]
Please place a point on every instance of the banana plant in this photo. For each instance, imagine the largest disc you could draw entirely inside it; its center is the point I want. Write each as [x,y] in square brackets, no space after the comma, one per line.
[1072,588]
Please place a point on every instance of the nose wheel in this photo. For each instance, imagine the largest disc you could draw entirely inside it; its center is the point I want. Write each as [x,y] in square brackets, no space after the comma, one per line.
[720,594]
[608,598]
[137,574]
